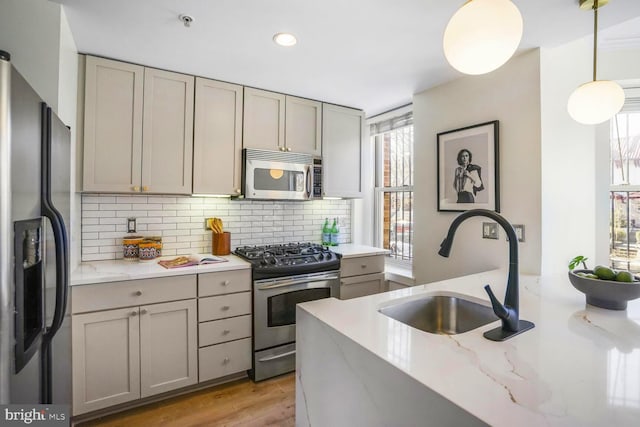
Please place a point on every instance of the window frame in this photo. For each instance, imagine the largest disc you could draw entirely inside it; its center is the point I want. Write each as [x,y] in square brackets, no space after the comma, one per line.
[379,189]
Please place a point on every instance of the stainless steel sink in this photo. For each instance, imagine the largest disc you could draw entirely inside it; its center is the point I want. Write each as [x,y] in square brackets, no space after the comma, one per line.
[441,314]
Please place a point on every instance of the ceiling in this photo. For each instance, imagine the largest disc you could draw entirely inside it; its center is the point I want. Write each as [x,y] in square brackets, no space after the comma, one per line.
[369,54]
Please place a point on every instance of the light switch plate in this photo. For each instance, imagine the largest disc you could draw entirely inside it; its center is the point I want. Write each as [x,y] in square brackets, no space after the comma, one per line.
[131,225]
[519,229]
[490,230]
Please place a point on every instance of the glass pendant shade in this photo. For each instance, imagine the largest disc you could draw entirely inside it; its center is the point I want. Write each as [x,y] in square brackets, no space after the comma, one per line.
[595,102]
[482,35]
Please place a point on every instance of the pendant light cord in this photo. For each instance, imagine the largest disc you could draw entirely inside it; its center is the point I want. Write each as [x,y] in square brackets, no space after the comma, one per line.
[595,38]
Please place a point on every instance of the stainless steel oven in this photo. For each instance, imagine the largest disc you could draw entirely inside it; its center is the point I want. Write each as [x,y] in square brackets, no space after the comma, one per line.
[274,304]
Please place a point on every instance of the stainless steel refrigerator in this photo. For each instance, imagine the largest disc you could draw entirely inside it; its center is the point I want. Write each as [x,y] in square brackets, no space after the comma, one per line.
[35,336]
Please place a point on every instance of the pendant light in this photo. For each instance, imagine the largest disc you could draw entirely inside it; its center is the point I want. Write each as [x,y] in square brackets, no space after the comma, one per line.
[597,101]
[482,35]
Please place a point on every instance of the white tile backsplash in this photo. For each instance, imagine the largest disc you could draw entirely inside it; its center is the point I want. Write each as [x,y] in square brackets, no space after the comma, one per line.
[180,221]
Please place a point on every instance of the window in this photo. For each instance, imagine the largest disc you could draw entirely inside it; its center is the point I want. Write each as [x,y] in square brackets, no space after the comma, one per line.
[624,194]
[393,140]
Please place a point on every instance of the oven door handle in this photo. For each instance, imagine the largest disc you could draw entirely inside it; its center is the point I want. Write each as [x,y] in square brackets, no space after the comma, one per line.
[277,356]
[288,282]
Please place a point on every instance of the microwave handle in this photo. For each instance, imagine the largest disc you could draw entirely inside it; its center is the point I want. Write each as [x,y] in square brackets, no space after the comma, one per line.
[308,183]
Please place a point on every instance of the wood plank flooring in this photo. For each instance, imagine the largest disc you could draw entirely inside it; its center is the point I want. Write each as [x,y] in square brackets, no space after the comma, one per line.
[238,403]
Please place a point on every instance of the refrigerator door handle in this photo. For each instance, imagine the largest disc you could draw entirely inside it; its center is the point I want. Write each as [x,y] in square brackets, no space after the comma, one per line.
[58,229]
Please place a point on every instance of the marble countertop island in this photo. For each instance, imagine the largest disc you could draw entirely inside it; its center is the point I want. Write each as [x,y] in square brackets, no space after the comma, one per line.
[579,366]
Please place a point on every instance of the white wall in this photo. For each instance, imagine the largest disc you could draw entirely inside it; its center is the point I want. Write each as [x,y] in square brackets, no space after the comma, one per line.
[511,95]
[568,160]
[67,111]
[37,35]
[30,32]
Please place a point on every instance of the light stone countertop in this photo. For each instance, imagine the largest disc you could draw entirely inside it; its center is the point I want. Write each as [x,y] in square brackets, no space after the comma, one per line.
[350,250]
[119,270]
[579,366]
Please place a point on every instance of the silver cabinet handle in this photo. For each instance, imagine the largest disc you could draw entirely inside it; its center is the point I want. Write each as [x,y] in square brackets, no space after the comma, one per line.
[226,332]
[134,313]
[138,293]
[225,283]
[288,149]
[225,308]
[226,360]
[364,266]
[238,191]
[143,311]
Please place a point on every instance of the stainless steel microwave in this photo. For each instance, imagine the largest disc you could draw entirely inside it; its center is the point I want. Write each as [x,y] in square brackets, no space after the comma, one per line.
[277,175]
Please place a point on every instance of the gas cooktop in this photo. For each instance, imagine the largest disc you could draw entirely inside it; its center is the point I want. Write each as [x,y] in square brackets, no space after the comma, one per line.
[289,259]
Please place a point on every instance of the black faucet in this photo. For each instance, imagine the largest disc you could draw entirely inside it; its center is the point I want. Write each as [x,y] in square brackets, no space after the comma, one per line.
[508,313]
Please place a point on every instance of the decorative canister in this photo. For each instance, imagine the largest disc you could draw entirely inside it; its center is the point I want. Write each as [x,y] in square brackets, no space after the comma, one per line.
[130,247]
[147,251]
[157,240]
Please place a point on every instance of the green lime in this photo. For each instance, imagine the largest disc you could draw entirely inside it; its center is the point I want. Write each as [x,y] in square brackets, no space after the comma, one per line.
[624,276]
[604,273]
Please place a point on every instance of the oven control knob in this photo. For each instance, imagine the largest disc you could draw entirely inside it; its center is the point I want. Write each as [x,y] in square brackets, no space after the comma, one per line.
[328,255]
[320,256]
[263,262]
[273,261]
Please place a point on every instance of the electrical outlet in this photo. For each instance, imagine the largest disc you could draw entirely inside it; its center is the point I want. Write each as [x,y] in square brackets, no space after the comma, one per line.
[131,225]
[490,230]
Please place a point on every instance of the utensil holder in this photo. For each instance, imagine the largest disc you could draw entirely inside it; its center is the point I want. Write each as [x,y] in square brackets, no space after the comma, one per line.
[221,244]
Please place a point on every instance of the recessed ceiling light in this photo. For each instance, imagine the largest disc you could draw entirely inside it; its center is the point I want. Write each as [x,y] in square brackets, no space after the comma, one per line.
[285,39]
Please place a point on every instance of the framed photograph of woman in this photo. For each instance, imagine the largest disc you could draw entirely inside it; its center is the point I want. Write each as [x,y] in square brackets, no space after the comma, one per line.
[468,175]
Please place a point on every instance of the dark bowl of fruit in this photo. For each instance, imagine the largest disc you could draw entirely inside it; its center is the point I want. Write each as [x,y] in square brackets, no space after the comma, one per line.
[606,288]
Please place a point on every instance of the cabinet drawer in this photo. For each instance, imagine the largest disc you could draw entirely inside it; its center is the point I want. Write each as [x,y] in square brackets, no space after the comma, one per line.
[102,296]
[225,282]
[359,286]
[361,265]
[218,331]
[224,359]
[213,308]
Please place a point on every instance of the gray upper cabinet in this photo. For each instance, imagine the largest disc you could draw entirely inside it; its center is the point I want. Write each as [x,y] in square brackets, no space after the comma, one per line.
[263,126]
[112,126]
[167,132]
[217,138]
[342,133]
[277,122]
[303,126]
[138,129]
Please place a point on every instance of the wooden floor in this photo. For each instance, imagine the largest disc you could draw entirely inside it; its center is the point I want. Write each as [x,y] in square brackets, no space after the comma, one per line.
[238,403]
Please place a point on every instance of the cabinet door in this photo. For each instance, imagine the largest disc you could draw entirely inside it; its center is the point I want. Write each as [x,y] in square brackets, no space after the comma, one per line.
[358,286]
[342,133]
[217,138]
[303,126]
[112,126]
[106,359]
[263,126]
[167,143]
[168,346]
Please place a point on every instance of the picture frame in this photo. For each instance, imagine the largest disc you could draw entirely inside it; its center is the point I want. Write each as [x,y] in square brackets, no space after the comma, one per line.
[469,180]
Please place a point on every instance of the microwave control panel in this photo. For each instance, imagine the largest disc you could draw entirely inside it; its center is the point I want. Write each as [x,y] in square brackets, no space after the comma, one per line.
[317,177]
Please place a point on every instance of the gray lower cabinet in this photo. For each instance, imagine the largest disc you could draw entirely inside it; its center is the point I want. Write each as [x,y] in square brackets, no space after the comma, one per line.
[141,342]
[224,313]
[360,276]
